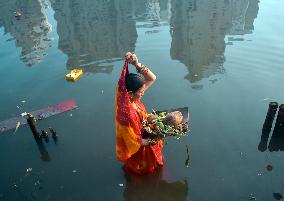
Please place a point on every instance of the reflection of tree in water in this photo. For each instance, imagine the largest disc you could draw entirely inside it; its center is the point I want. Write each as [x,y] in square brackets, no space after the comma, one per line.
[93,32]
[198,29]
[30,31]
[153,188]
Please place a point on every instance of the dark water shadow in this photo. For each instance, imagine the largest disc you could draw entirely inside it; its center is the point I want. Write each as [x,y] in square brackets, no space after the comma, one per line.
[43,152]
[276,142]
[277,139]
[153,188]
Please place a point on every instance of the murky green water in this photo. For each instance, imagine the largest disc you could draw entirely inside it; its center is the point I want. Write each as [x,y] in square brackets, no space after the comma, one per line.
[224,59]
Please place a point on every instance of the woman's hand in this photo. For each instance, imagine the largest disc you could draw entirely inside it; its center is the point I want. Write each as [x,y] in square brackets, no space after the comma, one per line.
[145,142]
[148,142]
[149,76]
[131,58]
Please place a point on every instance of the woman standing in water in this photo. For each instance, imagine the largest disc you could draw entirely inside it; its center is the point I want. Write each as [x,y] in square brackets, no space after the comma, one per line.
[137,153]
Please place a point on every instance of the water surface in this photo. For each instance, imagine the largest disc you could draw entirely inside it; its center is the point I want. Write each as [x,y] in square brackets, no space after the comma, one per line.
[222,58]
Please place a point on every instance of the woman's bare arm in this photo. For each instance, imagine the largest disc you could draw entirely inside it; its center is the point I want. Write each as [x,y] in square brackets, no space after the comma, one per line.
[149,76]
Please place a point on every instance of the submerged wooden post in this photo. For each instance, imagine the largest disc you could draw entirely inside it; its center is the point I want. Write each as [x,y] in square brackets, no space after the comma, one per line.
[44,135]
[277,140]
[267,125]
[43,152]
[280,119]
[32,123]
[272,109]
[54,135]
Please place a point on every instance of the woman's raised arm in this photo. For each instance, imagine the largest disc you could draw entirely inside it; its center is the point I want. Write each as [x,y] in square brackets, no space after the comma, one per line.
[149,76]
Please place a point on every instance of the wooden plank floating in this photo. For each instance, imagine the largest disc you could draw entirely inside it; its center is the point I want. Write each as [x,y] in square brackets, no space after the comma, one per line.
[38,114]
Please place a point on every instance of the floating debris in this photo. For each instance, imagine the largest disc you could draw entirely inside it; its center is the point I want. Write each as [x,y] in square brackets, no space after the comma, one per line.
[197,86]
[252,197]
[17,126]
[259,174]
[23,101]
[29,169]
[229,43]
[24,114]
[37,183]
[213,81]
[121,185]
[269,168]
[41,113]
[74,74]
[277,196]
[74,171]
[18,14]
[151,32]
[71,115]
[41,116]
[10,39]
[235,39]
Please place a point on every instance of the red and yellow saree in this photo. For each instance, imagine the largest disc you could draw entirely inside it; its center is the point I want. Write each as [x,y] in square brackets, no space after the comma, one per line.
[128,120]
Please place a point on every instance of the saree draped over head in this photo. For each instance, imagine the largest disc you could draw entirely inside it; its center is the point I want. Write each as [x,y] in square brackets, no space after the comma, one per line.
[128,122]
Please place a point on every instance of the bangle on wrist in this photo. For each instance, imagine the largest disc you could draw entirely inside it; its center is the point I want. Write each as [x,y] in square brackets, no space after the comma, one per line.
[142,69]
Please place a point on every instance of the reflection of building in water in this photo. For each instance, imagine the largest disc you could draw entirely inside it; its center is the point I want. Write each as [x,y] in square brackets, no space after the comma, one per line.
[154,11]
[198,29]
[197,40]
[241,15]
[91,32]
[250,16]
[165,10]
[30,30]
